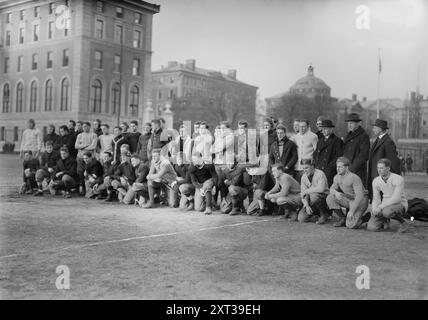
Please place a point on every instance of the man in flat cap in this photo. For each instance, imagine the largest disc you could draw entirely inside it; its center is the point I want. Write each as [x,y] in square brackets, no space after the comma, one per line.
[329,148]
[382,147]
[356,147]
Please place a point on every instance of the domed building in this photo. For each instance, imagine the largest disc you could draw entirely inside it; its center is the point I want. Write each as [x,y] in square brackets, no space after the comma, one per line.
[310,86]
[307,98]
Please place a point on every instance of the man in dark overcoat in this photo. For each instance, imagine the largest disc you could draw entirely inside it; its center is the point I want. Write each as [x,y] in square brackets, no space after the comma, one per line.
[382,147]
[283,151]
[356,147]
[329,148]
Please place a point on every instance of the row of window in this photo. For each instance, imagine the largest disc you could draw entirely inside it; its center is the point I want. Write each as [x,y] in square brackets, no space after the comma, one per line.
[118,33]
[99,63]
[35,33]
[95,102]
[36,12]
[101,7]
[19,96]
[35,61]
[186,81]
[96,95]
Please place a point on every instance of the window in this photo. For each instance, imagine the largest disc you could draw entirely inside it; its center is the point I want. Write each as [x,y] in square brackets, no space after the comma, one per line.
[135,96]
[19,94]
[138,18]
[115,91]
[6,65]
[36,11]
[15,134]
[96,96]
[98,59]
[48,95]
[50,29]
[119,12]
[36,32]
[7,38]
[49,60]
[117,63]
[33,96]
[100,6]
[51,8]
[34,61]
[65,57]
[8,17]
[118,33]
[160,94]
[6,98]
[99,29]
[136,67]
[20,62]
[21,35]
[22,15]
[137,39]
[2,134]
[171,93]
[65,88]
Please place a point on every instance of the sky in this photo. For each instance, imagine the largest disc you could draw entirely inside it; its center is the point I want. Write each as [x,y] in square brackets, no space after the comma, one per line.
[272,42]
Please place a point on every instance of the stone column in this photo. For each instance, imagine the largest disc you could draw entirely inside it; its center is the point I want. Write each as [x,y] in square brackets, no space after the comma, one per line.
[168,115]
[148,114]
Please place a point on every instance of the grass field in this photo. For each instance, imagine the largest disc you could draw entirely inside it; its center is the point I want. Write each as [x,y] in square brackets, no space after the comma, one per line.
[124,252]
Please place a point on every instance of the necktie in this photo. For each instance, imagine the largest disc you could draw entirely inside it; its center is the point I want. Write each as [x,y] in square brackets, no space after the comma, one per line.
[375,143]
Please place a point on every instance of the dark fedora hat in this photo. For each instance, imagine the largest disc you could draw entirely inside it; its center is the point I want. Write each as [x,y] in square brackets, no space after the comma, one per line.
[381,124]
[354,117]
[327,124]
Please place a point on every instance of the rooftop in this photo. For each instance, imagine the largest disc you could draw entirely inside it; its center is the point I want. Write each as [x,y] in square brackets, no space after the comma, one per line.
[190,67]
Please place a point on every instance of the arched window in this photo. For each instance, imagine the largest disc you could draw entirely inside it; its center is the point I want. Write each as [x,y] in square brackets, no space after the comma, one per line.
[33,96]
[6,97]
[96,91]
[48,95]
[65,91]
[19,94]
[115,91]
[135,95]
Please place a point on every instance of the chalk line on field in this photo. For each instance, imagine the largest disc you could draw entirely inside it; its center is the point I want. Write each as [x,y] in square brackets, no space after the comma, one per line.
[98,243]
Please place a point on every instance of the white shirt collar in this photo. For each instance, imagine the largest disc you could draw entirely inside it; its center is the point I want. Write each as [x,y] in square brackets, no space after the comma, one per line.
[381,135]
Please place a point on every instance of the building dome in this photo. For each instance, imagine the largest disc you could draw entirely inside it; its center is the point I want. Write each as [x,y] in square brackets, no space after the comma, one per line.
[310,85]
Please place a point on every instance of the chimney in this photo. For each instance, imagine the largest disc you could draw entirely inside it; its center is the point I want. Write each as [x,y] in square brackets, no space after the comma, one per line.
[190,64]
[364,99]
[172,64]
[354,97]
[232,74]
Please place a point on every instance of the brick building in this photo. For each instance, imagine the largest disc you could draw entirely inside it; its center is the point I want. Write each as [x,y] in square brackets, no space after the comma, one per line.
[64,60]
[199,94]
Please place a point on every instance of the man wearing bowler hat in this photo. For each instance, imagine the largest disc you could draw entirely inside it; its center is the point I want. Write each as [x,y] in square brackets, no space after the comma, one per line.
[382,147]
[356,147]
[329,148]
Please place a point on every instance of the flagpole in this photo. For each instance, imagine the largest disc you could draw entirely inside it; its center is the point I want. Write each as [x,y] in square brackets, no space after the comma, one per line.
[378,88]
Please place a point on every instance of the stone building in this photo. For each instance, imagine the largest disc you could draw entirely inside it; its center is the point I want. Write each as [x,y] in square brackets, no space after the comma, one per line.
[196,94]
[78,59]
